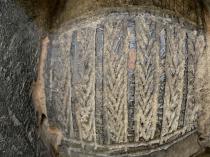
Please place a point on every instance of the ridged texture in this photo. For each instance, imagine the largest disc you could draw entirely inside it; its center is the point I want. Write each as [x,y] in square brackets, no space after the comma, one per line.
[196,47]
[131,80]
[83,84]
[146,86]
[115,81]
[175,62]
[58,75]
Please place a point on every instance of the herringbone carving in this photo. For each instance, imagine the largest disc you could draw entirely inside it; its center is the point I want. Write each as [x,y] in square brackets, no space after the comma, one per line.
[196,47]
[132,81]
[115,86]
[84,84]
[146,85]
[175,63]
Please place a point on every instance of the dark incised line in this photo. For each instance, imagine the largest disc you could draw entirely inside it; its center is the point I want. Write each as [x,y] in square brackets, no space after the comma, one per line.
[131,79]
[73,52]
[185,87]
[99,103]
[162,82]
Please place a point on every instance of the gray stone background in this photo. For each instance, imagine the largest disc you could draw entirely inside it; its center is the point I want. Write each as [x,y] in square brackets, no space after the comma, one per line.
[19,47]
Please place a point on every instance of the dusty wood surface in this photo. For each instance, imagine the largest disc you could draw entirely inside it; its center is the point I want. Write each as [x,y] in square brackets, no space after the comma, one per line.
[126,83]
[127,79]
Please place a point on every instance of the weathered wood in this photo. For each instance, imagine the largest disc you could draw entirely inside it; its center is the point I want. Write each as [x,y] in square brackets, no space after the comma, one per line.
[132,82]
[127,79]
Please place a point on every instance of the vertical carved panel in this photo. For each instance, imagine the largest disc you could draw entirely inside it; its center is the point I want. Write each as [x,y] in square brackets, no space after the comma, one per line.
[63,97]
[83,83]
[196,47]
[115,80]
[191,80]
[57,76]
[146,94]
[175,63]
[132,82]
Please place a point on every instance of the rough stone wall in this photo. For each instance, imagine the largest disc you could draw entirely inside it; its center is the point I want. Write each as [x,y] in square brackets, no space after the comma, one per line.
[19,50]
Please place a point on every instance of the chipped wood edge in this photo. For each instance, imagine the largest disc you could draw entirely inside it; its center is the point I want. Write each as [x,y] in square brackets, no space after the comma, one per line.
[50,136]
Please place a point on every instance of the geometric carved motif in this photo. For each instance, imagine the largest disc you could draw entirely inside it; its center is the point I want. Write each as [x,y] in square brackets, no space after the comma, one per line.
[132,80]
[83,83]
[175,63]
[115,80]
[196,47]
[146,88]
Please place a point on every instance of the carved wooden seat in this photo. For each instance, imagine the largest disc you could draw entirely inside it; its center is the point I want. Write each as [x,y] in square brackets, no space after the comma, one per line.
[113,78]
[124,82]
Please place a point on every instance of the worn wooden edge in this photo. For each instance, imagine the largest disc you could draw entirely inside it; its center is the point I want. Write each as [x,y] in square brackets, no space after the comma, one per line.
[96,20]
[178,148]
[94,16]
[51,136]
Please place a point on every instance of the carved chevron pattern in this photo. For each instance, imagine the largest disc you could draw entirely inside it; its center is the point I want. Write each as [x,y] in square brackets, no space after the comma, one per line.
[132,81]
[196,46]
[84,84]
[175,63]
[85,112]
[115,94]
[146,86]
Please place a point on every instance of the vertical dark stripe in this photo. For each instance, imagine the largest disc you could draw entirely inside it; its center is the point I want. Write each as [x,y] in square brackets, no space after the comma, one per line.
[131,78]
[48,70]
[99,108]
[73,60]
[162,83]
[185,87]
